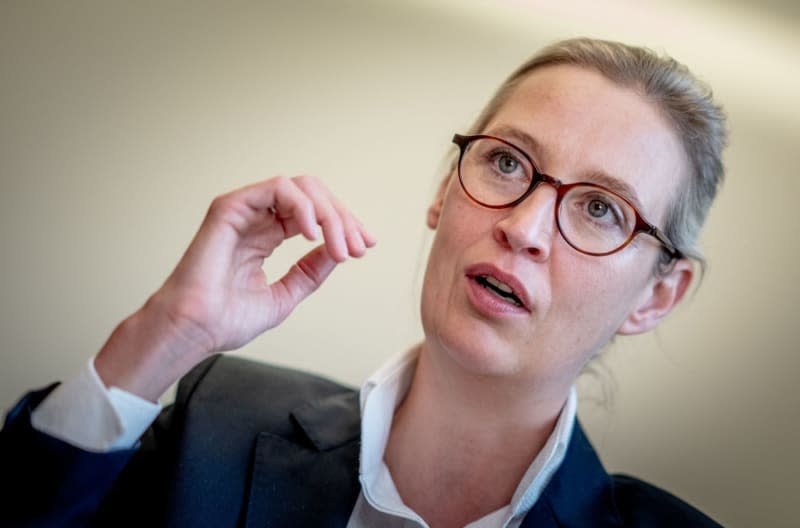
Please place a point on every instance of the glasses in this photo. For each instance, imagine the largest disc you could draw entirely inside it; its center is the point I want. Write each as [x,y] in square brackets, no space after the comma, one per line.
[592,219]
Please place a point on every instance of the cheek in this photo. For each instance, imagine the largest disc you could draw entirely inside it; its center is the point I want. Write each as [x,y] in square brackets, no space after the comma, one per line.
[591,299]
[453,238]
[438,271]
[460,226]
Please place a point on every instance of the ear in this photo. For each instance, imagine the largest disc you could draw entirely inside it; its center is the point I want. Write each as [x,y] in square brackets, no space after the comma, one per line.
[660,297]
[435,209]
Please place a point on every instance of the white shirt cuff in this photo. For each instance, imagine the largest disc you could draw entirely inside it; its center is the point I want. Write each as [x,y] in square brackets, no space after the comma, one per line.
[84,413]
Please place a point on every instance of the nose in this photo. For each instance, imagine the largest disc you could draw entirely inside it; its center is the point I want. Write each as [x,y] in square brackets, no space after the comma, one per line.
[530,225]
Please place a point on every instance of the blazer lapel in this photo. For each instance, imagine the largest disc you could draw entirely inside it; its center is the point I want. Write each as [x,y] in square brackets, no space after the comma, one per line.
[580,494]
[311,480]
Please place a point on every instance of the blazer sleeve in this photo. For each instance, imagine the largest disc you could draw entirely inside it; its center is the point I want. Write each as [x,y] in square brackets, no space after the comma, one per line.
[48,482]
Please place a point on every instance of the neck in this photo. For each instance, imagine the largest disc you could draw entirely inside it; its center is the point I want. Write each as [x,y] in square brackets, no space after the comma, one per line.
[465,440]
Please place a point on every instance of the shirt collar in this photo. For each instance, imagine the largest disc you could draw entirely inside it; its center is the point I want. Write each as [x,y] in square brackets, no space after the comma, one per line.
[380,395]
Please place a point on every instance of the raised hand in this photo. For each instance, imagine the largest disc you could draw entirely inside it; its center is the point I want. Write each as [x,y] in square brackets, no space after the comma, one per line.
[218,297]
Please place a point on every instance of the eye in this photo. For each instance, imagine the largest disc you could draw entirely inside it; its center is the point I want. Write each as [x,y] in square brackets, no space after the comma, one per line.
[507,163]
[605,210]
[597,208]
[592,206]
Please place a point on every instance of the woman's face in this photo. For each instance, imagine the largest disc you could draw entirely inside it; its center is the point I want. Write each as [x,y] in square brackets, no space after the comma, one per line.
[577,126]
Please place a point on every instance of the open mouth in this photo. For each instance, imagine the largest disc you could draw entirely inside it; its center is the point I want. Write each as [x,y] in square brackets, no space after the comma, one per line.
[500,289]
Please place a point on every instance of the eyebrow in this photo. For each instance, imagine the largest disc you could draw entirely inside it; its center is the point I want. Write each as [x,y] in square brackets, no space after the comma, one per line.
[515,134]
[596,176]
[617,186]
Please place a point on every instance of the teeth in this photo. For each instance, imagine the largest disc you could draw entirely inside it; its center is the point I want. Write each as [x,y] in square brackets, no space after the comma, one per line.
[498,288]
[499,285]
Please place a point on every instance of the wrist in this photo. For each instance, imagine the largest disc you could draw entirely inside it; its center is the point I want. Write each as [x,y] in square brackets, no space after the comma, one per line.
[147,352]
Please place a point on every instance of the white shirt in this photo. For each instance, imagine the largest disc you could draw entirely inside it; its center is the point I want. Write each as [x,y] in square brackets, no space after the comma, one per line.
[84,413]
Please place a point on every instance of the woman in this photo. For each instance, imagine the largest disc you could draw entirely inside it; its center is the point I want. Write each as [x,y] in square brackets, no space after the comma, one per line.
[569,216]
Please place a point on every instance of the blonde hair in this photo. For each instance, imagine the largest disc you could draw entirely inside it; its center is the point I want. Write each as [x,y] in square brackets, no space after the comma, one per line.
[670,86]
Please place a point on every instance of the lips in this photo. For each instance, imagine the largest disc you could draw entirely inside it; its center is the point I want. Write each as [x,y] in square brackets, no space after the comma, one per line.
[500,289]
[505,286]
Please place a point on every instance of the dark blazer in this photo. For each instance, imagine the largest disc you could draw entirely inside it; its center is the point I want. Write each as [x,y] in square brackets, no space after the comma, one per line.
[251,445]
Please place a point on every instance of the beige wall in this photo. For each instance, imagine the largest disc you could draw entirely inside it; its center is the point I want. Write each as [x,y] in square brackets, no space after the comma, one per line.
[120,121]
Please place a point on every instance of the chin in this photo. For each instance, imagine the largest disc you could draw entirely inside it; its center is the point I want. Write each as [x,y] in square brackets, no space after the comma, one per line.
[480,354]
[461,340]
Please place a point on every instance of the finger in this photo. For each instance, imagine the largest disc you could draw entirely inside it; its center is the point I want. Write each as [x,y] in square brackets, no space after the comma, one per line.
[302,279]
[281,197]
[332,230]
[352,228]
[355,244]
[327,215]
[368,238]
[292,204]
[302,203]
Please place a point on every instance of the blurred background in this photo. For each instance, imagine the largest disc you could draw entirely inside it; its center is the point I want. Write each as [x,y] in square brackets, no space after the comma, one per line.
[120,121]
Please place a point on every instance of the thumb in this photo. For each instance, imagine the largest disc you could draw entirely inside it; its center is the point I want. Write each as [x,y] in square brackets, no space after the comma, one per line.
[302,279]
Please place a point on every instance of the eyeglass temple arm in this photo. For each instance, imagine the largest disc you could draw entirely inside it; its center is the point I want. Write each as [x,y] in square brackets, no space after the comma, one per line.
[671,249]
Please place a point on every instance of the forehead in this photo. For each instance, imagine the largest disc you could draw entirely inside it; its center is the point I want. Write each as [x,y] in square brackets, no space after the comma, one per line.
[584,127]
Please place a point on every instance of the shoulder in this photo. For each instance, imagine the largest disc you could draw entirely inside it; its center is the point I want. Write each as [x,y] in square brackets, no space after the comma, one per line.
[251,395]
[582,493]
[227,376]
[642,504]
